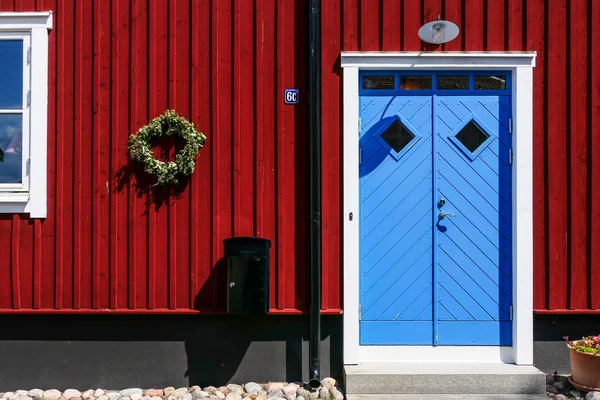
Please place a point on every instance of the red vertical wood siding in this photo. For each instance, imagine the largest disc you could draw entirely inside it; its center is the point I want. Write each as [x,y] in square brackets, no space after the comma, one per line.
[114,242]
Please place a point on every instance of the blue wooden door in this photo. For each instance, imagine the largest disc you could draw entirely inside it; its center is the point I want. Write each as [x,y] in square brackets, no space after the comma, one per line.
[435,212]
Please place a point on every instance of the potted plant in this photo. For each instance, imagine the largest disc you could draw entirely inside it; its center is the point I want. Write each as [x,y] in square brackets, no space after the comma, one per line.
[585,363]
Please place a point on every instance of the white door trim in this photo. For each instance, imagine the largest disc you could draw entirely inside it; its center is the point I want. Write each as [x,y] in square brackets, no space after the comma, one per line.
[521,65]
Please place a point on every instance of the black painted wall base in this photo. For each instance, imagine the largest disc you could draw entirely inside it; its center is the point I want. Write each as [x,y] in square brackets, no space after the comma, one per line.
[118,351]
[550,353]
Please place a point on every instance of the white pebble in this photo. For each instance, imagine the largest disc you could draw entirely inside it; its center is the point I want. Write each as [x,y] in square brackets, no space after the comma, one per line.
[98,392]
[71,393]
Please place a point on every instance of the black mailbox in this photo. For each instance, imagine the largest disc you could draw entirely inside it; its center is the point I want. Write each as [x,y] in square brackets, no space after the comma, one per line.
[247,275]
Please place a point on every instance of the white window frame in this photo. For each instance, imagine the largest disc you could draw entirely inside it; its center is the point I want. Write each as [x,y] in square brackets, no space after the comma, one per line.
[520,64]
[32,28]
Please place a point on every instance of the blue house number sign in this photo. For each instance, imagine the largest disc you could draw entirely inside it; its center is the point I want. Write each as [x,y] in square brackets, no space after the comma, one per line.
[290,96]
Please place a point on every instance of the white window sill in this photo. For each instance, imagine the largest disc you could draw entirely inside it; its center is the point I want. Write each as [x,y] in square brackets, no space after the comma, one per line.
[14,203]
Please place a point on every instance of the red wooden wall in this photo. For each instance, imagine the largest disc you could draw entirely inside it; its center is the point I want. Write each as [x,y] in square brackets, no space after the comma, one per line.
[112,241]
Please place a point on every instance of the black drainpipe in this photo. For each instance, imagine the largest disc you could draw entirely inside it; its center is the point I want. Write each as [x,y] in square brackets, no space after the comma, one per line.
[314,128]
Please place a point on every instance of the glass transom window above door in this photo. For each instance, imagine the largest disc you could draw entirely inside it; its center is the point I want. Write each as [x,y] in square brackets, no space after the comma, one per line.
[435,210]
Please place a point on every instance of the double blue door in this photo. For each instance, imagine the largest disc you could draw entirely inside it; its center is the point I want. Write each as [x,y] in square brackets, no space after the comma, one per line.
[435,217]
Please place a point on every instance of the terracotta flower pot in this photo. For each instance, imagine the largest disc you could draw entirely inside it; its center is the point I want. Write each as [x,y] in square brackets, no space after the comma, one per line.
[585,369]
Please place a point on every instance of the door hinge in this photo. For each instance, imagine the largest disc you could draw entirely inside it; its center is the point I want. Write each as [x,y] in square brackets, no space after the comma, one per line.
[359,156]
[359,312]
[511,312]
[29,56]
[510,156]
[29,97]
[510,125]
[359,125]
[28,166]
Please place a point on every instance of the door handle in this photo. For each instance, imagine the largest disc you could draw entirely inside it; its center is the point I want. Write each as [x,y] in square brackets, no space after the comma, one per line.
[443,215]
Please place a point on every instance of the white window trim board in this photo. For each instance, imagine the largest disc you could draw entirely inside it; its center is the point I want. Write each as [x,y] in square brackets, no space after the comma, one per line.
[37,25]
[521,65]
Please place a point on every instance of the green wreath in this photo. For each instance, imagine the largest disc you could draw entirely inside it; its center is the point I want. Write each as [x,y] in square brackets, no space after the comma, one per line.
[170,123]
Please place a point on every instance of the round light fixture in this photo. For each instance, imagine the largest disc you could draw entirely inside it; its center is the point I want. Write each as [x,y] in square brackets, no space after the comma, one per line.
[438,32]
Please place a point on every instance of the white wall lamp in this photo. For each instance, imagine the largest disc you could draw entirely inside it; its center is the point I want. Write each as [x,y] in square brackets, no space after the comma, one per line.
[438,32]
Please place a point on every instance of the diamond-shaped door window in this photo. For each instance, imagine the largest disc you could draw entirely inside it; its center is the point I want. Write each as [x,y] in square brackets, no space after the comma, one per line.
[472,136]
[397,136]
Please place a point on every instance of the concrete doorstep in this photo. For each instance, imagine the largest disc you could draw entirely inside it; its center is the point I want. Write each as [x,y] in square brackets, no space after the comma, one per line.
[443,379]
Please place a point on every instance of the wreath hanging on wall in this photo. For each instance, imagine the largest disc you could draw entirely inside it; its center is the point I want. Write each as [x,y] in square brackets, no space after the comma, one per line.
[170,123]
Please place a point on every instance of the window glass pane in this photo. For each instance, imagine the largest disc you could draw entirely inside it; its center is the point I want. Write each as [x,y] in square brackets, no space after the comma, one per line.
[472,136]
[453,82]
[373,82]
[397,136]
[11,74]
[415,82]
[490,82]
[11,152]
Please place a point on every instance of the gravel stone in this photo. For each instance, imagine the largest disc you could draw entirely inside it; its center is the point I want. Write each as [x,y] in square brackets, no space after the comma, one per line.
[233,396]
[125,398]
[276,394]
[129,392]
[87,393]
[261,397]
[200,394]
[35,393]
[25,398]
[252,387]
[593,396]
[136,396]
[154,392]
[577,394]
[210,389]
[98,393]
[168,390]
[328,383]
[235,388]
[7,395]
[71,393]
[561,397]
[105,397]
[179,392]
[274,387]
[186,396]
[21,392]
[337,394]
[324,394]
[51,394]
[224,390]
[560,385]
[219,395]
[300,398]
[156,398]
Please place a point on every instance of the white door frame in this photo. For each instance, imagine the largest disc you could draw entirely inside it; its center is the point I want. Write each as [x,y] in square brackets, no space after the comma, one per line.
[521,65]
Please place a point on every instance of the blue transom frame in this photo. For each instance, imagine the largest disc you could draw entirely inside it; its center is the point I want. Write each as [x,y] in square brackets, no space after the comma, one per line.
[434,74]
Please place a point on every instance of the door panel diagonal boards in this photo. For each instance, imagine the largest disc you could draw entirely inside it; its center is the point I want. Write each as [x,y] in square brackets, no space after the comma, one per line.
[393,266]
[494,232]
[390,303]
[463,288]
[380,281]
[491,302]
[378,229]
[477,175]
[455,109]
[494,284]
[383,183]
[394,239]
